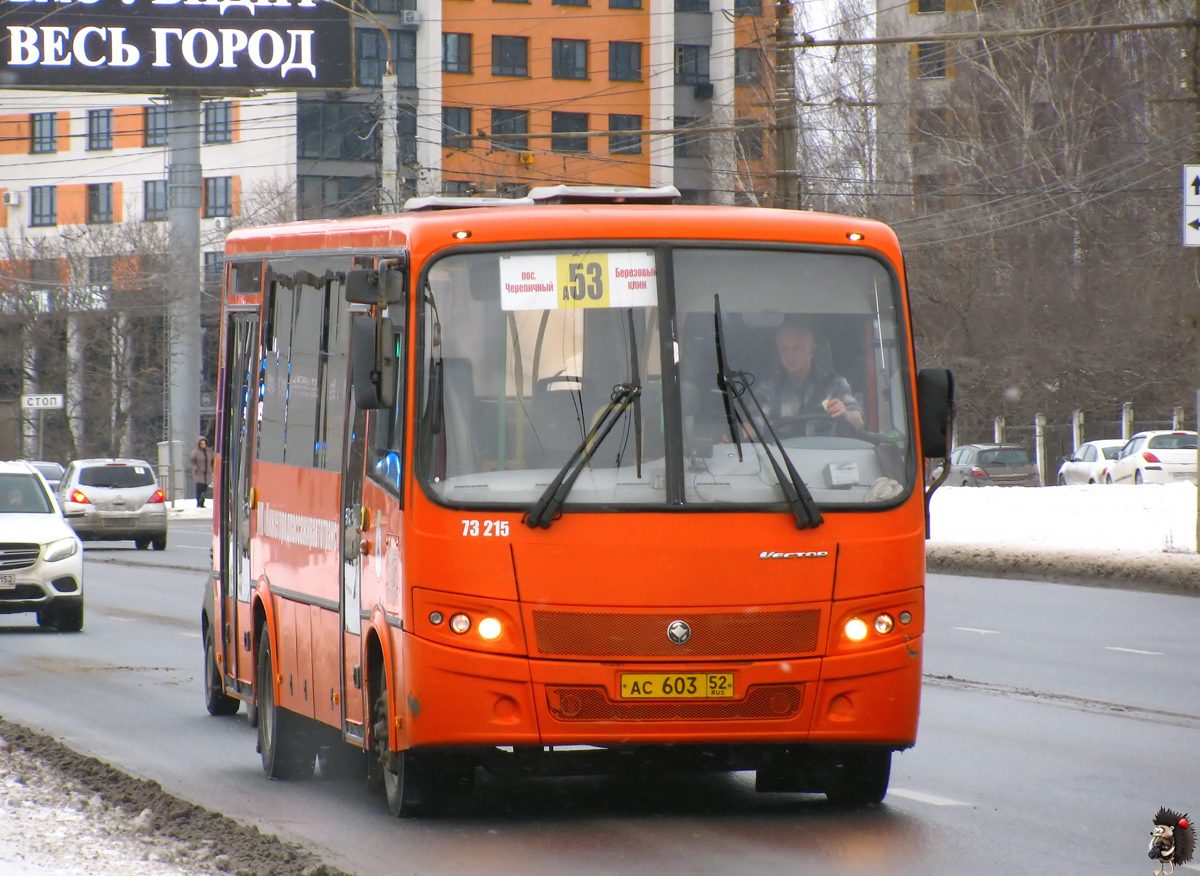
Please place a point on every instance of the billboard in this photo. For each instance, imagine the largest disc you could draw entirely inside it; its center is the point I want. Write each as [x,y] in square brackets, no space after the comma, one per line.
[151,45]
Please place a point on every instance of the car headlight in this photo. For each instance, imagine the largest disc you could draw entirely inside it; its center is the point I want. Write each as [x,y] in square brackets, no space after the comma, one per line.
[61,549]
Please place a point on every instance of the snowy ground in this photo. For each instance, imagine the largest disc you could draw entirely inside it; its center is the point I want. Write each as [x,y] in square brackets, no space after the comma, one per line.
[55,819]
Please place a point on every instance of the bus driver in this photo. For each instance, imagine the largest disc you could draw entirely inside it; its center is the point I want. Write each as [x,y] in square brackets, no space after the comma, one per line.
[799,388]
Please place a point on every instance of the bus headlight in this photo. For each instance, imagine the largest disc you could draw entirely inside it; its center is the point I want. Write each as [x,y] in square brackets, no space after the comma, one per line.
[884,624]
[460,623]
[489,628]
[856,629]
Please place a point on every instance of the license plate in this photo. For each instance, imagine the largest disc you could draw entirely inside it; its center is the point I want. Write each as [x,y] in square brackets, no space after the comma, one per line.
[677,686]
[7,582]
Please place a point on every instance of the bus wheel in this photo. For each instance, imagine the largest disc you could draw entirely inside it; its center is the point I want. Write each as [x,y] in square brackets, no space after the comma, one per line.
[282,739]
[217,701]
[400,771]
[861,779]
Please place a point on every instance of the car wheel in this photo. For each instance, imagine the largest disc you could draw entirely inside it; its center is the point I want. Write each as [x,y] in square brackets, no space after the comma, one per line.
[1062,481]
[141,543]
[862,779]
[159,542]
[401,771]
[1108,480]
[282,739]
[45,617]
[215,699]
[69,619]
[1137,477]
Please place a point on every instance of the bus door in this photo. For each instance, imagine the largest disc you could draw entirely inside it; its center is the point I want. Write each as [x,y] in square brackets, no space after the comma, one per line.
[351,601]
[238,452]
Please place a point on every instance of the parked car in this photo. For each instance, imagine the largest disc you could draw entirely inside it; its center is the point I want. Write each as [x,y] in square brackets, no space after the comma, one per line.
[996,465]
[1087,464]
[51,471]
[1158,457]
[41,557]
[114,500]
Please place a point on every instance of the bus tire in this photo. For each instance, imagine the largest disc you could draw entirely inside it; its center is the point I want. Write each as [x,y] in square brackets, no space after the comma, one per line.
[861,779]
[215,699]
[283,740]
[400,772]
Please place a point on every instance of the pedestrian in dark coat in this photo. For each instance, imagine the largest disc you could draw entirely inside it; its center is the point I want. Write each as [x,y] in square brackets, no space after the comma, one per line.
[202,469]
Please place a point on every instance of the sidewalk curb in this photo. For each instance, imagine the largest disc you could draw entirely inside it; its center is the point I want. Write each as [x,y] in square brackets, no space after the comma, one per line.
[1177,574]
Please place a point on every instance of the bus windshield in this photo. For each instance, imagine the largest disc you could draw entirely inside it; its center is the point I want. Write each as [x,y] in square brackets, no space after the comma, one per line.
[523,353]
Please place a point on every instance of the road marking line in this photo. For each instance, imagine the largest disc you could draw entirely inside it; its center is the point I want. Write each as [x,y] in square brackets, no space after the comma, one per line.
[921,797]
[977,630]
[1133,651]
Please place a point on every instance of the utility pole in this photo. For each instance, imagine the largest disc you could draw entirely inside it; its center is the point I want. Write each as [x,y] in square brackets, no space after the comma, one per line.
[787,180]
[389,147]
[184,190]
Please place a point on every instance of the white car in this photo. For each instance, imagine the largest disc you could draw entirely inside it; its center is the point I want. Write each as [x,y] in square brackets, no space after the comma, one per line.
[41,557]
[1086,465]
[1161,457]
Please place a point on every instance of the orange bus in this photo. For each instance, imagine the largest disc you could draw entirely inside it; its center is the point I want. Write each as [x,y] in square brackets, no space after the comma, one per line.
[533,486]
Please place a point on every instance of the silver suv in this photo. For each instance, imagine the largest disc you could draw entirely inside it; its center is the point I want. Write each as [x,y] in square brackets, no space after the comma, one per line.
[114,500]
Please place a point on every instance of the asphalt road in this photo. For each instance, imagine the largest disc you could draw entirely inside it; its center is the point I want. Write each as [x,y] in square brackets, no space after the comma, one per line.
[1055,721]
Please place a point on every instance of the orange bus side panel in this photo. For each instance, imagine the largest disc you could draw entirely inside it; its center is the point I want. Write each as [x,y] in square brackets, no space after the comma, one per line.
[326,667]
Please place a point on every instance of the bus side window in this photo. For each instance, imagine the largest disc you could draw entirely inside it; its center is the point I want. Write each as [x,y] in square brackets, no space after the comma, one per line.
[385,432]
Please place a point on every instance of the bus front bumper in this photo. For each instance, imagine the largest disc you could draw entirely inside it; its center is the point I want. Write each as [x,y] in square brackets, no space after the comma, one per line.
[457,697]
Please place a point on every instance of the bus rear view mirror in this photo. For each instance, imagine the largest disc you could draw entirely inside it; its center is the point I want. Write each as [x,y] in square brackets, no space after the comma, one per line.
[935,408]
[363,286]
[374,362]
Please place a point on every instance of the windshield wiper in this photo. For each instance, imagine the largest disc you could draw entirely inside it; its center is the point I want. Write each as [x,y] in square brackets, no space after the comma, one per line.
[544,510]
[734,386]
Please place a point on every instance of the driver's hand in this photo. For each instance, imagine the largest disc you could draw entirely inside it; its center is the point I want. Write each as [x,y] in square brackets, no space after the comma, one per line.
[835,407]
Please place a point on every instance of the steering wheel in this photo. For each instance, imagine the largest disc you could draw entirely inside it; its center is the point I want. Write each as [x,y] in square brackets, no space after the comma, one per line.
[795,426]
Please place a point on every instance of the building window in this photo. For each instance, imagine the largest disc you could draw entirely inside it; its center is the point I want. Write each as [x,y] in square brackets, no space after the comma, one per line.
[691,65]
[372,57]
[570,59]
[510,56]
[100,271]
[328,197]
[335,130]
[214,268]
[748,7]
[456,53]
[456,127]
[458,188]
[44,132]
[100,204]
[406,133]
[570,2]
[750,139]
[625,144]
[624,4]
[100,129]
[687,144]
[748,67]
[931,60]
[625,62]
[930,192]
[218,122]
[154,122]
[691,5]
[569,123]
[154,198]
[218,196]
[931,6]
[933,123]
[43,206]
[505,124]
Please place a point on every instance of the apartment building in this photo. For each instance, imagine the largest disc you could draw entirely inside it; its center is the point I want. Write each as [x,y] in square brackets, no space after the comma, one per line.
[84,282]
[498,95]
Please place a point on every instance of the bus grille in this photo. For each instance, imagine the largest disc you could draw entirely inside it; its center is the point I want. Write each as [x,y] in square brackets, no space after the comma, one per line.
[590,704]
[730,634]
[17,556]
